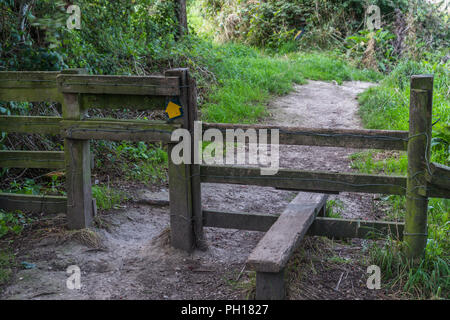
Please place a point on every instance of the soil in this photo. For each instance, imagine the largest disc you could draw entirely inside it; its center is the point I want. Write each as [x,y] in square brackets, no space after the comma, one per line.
[131,257]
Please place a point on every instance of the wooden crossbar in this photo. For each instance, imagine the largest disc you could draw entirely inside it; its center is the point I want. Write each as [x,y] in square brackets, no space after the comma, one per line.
[348,138]
[116,130]
[33,203]
[123,85]
[32,159]
[28,124]
[305,180]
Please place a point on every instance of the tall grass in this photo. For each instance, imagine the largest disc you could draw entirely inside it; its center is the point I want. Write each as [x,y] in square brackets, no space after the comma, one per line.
[387,107]
[247,77]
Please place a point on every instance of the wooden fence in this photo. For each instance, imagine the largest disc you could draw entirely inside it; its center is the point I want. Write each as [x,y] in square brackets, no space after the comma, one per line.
[78,92]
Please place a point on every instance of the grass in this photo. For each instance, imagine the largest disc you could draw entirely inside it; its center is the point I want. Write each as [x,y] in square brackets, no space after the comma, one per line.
[430,279]
[7,262]
[245,78]
[11,224]
[108,198]
[387,107]
[334,208]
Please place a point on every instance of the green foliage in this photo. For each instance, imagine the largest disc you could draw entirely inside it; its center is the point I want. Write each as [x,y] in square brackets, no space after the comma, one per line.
[367,162]
[330,66]
[387,106]
[12,223]
[335,208]
[108,198]
[131,161]
[272,23]
[7,262]
[429,279]
[246,77]
[357,45]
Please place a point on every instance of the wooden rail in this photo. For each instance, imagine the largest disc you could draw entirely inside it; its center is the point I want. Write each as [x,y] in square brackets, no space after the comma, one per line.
[334,228]
[347,138]
[33,203]
[305,180]
[32,159]
[116,130]
[119,85]
[27,124]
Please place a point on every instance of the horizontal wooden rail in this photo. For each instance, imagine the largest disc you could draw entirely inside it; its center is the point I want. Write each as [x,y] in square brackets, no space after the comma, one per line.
[29,86]
[329,227]
[238,220]
[116,130]
[305,180]
[33,203]
[439,176]
[114,101]
[125,85]
[32,159]
[27,124]
[352,228]
[350,138]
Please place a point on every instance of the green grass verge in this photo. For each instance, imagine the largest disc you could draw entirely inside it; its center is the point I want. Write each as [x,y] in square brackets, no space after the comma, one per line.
[7,262]
[387,107]
[246,78]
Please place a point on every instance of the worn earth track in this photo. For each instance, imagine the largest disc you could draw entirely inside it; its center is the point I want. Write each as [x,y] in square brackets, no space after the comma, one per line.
[135,260]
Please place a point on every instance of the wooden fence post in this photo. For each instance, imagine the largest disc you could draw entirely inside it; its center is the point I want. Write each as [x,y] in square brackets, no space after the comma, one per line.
[186,219]
[419,144]
[78,167]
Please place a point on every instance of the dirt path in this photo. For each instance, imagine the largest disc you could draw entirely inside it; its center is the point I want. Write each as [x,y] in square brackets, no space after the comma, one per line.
[135,260]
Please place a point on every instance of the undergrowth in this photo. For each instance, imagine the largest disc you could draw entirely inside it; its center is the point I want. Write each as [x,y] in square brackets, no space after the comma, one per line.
[387,107]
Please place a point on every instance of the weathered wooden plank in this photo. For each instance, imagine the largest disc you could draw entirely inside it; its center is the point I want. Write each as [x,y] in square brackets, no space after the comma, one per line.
[116,130]
[125,85]
[80,211]
[275,248]
[335,228]
[185,207]
[419,150]
[322,226]
[181,211]
[348,138]
[270,286]
[26,124]
[434,191]
[305,180]
[237,220]
[29,86]
[31,95]
[438,175]
[32,159]
[33,203]
[114,101]
[9,78]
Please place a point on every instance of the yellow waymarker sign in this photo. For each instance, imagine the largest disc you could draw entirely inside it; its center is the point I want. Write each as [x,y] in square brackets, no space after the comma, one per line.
[173,110]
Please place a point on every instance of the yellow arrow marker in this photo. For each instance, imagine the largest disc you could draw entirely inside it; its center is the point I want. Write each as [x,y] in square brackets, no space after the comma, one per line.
[173,110]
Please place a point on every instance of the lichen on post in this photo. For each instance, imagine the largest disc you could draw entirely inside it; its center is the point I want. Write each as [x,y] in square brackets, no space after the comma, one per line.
[419,144]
